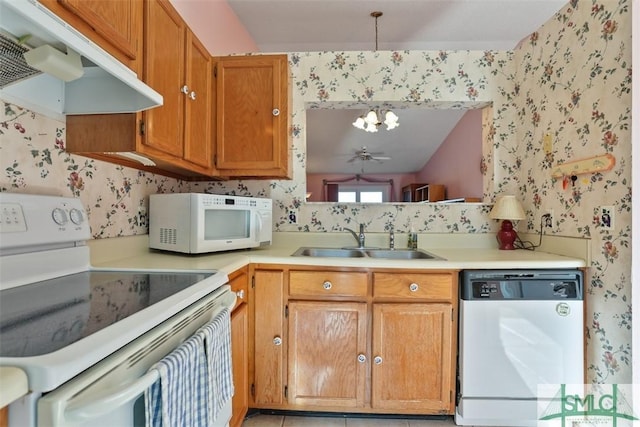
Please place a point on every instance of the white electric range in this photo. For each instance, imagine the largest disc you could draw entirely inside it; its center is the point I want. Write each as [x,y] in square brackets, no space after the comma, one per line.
[73,328]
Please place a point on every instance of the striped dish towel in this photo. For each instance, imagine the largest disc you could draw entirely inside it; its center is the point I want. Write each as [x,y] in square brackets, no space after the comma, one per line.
[217,338]
[181,397]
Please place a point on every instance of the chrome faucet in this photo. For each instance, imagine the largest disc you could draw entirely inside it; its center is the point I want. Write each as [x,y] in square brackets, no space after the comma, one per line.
[359,237]
[392,239]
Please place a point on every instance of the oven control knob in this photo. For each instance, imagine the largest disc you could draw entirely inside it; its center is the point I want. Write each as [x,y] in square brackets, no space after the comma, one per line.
[76,216]
[59,216]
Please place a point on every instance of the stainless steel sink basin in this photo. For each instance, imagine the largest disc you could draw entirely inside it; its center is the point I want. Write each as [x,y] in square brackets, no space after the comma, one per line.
[330,252]
[364,253]
[400,254]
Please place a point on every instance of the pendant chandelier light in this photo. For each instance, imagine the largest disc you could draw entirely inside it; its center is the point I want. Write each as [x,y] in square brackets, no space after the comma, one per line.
[372,120]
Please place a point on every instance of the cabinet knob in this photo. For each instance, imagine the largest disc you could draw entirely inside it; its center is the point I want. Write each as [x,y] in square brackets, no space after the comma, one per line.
[276,112]
[192,95]
[413,287]
[362,358]
[277,341]
[377,360]
[327,285]
[240,294]
[184,89]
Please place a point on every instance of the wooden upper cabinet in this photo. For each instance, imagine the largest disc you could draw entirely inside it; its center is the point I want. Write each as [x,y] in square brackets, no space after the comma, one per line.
[179,67]
[114,25]
[252,111]
[164,70]
[198,138]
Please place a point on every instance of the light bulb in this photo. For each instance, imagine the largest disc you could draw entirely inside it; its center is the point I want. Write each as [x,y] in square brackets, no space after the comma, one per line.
[359,123]
[372,118]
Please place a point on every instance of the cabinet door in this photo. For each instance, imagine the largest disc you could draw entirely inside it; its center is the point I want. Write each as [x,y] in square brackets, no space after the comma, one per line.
[252,116]
[197,136]
[269,340]
[240,353]
[164,54]
[116,21]
[327,348]
[412,357]
[239,282]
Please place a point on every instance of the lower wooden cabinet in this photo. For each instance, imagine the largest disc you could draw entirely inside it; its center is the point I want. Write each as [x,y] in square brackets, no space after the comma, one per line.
[327,348]
[267,387]
[239,283]
[355,340]
[412,357]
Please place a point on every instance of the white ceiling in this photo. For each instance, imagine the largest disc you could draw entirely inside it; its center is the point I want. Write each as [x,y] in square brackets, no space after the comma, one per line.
[346,25]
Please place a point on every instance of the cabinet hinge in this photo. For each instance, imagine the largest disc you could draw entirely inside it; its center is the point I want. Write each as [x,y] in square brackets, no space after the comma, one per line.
[286,392]
[142,127]
[253,282]
[286,311]
[215,70]
[253,390]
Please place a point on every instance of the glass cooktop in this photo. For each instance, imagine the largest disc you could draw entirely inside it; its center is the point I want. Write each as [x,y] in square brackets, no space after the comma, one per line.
[46,316]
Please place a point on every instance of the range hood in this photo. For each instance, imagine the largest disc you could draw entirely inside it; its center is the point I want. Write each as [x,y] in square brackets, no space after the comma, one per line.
[106,86]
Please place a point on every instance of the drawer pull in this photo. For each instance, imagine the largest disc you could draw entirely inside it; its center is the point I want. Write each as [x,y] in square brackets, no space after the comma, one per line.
[362,358]
[275,112]
[327,285]
[240,294]
[413,287]
[277,341]
[377,360]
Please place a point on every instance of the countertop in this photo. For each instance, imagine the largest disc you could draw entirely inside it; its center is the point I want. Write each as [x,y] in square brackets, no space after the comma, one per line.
[476,252]
[458,252]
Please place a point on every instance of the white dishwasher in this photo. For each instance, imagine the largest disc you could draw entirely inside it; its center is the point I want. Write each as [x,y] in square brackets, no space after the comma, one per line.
[518,329]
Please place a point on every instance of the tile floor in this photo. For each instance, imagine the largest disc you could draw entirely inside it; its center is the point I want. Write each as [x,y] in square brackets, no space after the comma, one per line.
[262,420]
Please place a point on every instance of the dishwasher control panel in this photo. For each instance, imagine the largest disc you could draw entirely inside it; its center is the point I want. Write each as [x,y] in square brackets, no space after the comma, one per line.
[515,285]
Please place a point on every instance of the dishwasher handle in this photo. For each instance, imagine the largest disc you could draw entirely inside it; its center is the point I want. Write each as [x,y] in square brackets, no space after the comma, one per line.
[107,402]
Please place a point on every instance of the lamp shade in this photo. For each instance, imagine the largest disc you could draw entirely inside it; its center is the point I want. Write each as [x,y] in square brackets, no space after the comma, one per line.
[507,207]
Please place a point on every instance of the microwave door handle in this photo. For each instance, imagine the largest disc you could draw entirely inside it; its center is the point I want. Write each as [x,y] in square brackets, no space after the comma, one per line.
[258,224]
[107,402]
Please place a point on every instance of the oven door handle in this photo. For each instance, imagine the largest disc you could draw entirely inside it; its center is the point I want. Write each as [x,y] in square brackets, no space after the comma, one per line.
[100,405]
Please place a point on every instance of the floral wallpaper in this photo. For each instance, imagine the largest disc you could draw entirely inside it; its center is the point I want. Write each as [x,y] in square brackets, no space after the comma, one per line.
[571,79]
[574,83]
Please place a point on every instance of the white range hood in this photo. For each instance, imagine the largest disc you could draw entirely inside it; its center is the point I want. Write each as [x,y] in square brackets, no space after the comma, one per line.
[107,86]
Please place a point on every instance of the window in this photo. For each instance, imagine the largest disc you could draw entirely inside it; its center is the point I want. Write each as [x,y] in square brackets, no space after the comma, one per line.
[363,193]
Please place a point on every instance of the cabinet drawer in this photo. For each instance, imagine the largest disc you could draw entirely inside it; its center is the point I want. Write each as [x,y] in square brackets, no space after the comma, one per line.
[413,285]
[324,283]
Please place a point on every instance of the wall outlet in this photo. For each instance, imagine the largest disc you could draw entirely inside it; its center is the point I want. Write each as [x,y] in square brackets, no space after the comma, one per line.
[548,220]
[547,143]
[292,216]
[605,217]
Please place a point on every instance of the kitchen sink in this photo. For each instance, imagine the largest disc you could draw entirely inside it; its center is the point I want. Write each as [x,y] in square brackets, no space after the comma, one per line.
[330,252]
[364,253]
[400,254]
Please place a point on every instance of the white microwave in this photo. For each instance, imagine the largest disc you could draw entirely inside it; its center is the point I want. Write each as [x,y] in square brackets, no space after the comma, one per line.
[199,223]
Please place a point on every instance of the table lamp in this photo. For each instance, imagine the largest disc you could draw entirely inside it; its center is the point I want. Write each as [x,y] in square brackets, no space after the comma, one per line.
[507,208]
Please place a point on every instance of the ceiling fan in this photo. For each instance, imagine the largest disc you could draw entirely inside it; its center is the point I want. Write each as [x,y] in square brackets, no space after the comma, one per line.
[366,156]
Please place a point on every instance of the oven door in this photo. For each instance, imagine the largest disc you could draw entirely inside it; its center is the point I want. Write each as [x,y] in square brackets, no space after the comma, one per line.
[111,392]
